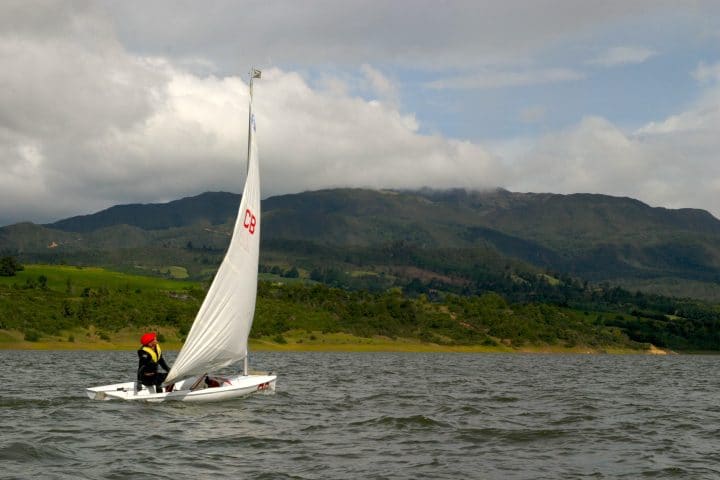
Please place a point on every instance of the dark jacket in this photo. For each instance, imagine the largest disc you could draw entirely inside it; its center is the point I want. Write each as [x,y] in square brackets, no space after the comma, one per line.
[148,368]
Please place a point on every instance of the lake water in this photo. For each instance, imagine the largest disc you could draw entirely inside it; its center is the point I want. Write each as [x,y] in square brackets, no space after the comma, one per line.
[372,415]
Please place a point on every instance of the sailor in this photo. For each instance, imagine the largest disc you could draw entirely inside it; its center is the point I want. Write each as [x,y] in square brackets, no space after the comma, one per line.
[150,356]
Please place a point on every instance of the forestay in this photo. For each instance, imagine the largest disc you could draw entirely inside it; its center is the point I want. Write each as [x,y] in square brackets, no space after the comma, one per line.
[219,334]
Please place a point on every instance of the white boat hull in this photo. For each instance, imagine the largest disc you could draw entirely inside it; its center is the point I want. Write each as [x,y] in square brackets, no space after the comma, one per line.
[232,387]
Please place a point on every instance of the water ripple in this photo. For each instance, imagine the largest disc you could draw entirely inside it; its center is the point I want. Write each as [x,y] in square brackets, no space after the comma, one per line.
[375,416]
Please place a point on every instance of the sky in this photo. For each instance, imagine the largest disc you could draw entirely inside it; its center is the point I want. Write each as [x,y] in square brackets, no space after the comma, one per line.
[105,102]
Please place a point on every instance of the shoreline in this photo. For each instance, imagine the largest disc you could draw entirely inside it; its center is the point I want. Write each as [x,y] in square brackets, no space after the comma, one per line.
[399,347]
[296,341]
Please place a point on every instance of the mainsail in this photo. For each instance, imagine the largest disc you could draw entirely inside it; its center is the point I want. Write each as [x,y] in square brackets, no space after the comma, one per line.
[219,334]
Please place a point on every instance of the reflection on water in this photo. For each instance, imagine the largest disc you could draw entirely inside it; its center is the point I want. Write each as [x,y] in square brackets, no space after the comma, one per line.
[372,415]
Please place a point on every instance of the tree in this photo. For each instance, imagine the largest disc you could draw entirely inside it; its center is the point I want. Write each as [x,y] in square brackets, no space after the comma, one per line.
[9,266]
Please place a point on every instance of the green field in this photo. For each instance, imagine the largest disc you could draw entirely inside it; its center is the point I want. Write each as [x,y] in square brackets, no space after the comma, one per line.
[85,304]
[86,307]
[92,277]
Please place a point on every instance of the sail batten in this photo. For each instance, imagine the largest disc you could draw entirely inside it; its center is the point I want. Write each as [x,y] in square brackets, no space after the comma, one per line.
[219,334]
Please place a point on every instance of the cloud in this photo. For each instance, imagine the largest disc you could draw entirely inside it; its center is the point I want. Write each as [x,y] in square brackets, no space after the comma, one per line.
[66,80]
[589,157]
[310,140]
[85,127]
[700,121]
[381,85]
[411,33]
[671,163]
[705,73]
[103,105]
[503,79]
[618,56]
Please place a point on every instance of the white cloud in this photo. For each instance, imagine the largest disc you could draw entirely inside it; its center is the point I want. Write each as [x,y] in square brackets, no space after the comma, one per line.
[672,163]
[590,157]
[627,55]
[66,80]
[88,120]
[307,140]
[705,73]
[502,79]
[85,128]
[314,141]
[700,120]
[381,85]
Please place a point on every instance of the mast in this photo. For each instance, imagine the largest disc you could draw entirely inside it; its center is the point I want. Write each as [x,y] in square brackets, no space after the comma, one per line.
[254,73]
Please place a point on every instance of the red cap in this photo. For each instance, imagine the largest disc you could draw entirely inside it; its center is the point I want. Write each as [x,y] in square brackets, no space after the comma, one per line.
[147,338]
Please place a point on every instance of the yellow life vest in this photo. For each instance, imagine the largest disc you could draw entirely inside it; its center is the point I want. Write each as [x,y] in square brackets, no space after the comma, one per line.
[153,354]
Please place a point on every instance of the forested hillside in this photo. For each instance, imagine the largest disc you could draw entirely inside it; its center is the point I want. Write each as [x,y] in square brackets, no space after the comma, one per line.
[455,241]
[74,305]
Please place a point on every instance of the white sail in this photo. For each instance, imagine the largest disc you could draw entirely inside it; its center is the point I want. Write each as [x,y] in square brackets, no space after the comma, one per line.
[219,334]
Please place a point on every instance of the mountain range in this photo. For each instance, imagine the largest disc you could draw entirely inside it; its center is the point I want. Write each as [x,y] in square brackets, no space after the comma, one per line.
[391,236]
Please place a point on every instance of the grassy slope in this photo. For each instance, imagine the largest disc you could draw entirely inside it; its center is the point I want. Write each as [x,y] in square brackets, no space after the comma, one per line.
[304,325]
[89,277]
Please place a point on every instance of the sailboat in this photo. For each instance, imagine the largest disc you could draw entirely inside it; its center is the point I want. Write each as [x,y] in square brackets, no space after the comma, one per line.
[218,337]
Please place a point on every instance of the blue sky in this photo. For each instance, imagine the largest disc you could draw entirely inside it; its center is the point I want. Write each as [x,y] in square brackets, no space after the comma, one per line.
[629,94]
[120,102]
